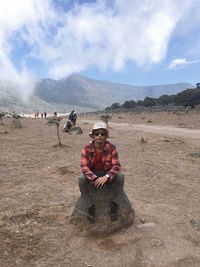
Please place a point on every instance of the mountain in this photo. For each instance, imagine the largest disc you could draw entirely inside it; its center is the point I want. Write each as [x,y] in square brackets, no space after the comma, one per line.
[80,93]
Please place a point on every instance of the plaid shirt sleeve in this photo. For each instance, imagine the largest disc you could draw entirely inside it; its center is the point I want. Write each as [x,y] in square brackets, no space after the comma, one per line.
[85,164]
[116,166]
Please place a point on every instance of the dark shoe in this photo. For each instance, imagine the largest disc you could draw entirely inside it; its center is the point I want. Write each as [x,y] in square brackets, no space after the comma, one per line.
[113,211]
[91,214]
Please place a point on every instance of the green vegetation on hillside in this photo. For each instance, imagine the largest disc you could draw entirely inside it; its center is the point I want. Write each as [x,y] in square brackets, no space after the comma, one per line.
[186,98]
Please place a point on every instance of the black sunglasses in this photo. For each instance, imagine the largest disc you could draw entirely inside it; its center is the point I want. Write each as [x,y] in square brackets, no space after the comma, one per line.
[100,133]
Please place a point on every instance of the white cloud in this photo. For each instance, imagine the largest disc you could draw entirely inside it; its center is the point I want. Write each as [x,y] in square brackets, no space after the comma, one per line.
[177,63]
[22,21]
[108,38]
[94,34]
[181,63]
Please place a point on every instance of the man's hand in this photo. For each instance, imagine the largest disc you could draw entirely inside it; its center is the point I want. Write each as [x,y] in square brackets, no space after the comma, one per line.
[100,181]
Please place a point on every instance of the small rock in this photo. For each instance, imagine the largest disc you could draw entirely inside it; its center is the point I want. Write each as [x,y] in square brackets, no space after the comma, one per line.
[195,155]
[145,225]
[195,224]
[157,243]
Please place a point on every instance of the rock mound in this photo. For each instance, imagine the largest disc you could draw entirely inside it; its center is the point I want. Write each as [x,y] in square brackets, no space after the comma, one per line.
[103,224]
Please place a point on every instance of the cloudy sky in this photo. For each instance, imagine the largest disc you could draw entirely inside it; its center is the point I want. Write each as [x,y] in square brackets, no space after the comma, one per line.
[139,42]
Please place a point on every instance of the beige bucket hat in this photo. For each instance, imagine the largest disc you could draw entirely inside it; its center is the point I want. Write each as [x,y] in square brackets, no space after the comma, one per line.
[99,125]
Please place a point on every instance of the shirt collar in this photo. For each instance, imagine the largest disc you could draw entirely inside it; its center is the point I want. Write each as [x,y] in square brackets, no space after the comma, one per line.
[104,146]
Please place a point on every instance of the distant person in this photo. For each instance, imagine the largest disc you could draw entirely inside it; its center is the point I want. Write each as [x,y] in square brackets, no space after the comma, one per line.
[69,123]
[74,118]
[36,115]
[100,167]
[67,126]
[45,114]
[42,115]
[70,117]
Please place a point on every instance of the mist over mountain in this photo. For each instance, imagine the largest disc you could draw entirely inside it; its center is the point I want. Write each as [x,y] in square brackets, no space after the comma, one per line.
[80,93]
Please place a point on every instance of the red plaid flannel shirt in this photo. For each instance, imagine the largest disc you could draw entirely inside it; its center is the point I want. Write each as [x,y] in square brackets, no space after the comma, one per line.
[109,158]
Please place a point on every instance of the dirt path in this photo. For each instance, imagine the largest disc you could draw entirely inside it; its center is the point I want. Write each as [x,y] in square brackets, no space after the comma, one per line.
[166,130]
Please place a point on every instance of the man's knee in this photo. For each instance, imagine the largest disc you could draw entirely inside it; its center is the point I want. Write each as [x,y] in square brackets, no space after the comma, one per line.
[119,178]
[82,179]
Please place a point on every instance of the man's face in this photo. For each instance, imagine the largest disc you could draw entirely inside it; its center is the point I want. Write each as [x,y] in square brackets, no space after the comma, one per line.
[99,136]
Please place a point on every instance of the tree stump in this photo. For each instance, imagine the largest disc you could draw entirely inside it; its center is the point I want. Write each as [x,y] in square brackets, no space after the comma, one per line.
[102,198]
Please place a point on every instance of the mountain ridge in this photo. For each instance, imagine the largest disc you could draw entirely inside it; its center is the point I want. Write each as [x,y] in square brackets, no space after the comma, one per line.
[81,93]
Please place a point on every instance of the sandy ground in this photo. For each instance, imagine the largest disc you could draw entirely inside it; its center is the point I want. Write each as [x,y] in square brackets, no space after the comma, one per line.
[38,191]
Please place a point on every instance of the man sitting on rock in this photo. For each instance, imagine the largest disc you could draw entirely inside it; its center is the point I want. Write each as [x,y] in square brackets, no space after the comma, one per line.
[100,167]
